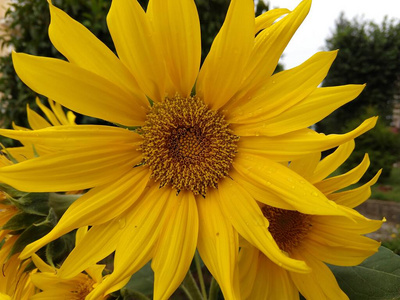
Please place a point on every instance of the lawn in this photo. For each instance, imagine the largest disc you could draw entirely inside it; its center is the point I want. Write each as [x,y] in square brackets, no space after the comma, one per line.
[388,189]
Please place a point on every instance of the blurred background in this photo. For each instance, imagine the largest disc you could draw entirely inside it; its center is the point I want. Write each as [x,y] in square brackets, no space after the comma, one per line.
[367,33]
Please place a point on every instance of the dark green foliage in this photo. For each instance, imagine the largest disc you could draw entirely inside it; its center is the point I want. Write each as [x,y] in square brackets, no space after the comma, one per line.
[368,53]
[381,144]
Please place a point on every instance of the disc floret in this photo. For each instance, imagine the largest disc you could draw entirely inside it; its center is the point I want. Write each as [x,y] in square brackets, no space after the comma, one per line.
[187,145]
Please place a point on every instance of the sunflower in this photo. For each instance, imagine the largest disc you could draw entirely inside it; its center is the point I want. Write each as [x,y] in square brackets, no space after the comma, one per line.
[312,238]
[175,175]
[15,283]
[53,287]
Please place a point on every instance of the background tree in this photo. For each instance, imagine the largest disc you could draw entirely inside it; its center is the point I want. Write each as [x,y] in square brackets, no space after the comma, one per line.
[26,30]
[369,53]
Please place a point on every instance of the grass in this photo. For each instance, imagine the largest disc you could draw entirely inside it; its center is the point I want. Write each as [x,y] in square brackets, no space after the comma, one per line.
[389,189]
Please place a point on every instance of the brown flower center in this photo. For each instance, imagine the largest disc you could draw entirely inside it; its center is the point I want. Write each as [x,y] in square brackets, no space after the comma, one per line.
[287,227]
[83,289]
[187,145]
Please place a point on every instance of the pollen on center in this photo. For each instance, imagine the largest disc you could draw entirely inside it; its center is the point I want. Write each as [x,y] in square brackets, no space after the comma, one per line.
[187,145]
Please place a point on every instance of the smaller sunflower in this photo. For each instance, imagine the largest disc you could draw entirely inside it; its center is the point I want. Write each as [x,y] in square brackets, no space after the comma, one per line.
[314,239]
[53,287]
[15,284]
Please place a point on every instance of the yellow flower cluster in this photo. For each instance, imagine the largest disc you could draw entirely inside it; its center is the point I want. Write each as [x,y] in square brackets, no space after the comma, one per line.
[218,157]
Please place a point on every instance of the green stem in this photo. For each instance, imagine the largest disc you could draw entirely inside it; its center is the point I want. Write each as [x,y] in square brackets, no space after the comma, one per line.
[214,289]
[190,287]
[200,274]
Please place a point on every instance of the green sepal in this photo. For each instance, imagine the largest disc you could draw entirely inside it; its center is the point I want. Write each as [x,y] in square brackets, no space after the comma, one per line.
[33,203]
[31,234]
[59,203]
[58,250]
[11,192]
[22,221]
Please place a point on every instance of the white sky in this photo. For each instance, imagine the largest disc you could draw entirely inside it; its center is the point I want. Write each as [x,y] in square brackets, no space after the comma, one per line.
[320,22]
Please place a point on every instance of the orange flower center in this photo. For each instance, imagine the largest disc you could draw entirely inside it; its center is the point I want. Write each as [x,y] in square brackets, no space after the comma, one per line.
[83,289]
[187,145]
[287,227]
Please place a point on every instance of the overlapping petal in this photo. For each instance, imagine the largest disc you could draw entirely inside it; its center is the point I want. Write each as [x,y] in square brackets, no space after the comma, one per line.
[309,111]
[246,217]
[223,67]
[71,170]
[218,244]
[78,89]
[177,27]
[93,208]
[99,242]
[281,91]
[268,47]
[176,246]
[82,48]
[268,18]
[141,232]
[135,42]
[295,144]
[286,184]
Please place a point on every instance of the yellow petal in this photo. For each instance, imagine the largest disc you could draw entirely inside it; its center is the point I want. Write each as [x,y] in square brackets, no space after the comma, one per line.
[309,111]
[71,170]
[339,182]
[35,120]
[223,67]
[259,191]
[281,91]
[41,265]
[93,208]
[70,137]
[248,266]
[82,48]
[333,161]
[138,239]
[98,243]
[177,27]
[266,19]
[246,217]
[60,114]
[268,47]
[286,184]
[342,255]
[293,145]
[310,285]
[272,282]
[355,197]
[306,165]
[176,245]
[78,89]
[49,113]
[136,47]
[218,244]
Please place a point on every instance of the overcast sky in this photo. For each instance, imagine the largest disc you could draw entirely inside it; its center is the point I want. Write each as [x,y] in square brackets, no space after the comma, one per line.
[310,37]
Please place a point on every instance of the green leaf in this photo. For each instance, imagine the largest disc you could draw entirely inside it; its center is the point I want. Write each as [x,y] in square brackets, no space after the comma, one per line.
[140,283]
[377,278]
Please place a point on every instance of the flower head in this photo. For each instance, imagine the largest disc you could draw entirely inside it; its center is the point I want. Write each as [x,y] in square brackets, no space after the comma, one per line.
[198,154]
[315,239]
[75,288]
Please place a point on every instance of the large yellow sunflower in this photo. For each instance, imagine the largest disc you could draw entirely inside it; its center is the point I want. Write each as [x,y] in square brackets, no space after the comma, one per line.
[314,239]
[178,179]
